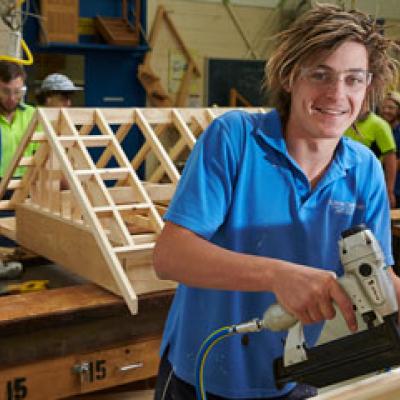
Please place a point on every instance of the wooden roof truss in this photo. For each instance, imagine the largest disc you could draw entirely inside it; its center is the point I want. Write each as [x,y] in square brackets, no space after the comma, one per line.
[85,205]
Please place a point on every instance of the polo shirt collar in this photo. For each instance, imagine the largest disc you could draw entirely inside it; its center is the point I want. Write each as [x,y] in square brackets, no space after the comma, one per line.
[271,132]
[346,155]
[20,106]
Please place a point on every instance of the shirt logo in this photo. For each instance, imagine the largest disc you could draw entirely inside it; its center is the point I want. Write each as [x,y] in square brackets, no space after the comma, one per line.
[344,207]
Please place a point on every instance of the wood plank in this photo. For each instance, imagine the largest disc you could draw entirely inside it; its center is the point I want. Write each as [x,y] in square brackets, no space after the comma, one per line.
[8,227]
[60,301]
[65,243]
[385,386]
[181,43]
[122,131]
[183,129]
[158,148]
[145,149]
[27,161]
[88,141]
[395,214]
[160,191]
[74,247]
[14,184]
[29,177]
[6,205]
[144,276]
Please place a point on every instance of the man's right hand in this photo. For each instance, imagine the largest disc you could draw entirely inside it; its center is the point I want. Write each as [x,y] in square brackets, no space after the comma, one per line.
[309,293]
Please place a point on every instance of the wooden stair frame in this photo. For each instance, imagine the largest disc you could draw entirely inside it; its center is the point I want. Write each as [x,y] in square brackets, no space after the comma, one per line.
[120,31]
[156,93]
[67,213]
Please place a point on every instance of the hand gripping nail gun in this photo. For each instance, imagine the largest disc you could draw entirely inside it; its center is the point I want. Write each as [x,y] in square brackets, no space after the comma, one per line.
[367,281]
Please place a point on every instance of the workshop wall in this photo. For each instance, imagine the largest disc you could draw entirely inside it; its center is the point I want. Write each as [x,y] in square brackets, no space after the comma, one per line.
[209,31]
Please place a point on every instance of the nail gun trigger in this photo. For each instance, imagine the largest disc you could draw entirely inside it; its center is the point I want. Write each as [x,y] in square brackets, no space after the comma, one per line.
[369,318]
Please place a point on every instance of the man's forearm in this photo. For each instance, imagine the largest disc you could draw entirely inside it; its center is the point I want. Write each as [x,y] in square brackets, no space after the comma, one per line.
[185,257]
[307,293]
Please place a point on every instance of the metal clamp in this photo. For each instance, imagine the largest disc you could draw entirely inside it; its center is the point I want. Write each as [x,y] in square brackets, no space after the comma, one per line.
[81,369]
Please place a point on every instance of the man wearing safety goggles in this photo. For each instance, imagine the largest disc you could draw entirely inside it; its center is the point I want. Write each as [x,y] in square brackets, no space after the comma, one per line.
[15,115]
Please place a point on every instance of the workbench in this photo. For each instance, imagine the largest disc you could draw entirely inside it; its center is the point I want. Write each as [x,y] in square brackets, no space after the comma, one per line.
[75,338]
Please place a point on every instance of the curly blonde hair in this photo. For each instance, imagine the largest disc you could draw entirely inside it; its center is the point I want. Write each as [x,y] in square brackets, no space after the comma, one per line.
[323,29]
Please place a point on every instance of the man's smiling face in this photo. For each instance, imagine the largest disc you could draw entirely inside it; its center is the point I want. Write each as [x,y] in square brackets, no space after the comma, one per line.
[327,96]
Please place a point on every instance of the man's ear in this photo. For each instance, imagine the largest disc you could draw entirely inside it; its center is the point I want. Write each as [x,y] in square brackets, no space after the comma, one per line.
[287,87]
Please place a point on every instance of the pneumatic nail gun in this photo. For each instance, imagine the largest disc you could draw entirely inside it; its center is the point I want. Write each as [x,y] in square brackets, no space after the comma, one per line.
[367,281]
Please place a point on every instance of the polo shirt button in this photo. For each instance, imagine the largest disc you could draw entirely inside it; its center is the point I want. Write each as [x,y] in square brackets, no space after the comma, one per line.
[245,340]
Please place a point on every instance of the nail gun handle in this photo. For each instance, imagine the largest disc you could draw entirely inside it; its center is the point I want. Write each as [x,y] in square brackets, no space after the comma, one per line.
[276,318]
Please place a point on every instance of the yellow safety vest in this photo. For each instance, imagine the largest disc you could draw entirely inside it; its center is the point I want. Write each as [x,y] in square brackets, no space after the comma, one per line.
[11,134]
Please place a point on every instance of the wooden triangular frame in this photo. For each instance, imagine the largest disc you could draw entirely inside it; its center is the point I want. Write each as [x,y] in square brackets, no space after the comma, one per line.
[100,219]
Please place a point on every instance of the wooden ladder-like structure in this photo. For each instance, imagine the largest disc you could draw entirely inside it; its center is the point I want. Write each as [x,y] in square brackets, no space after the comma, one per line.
[156,93]
[83,204]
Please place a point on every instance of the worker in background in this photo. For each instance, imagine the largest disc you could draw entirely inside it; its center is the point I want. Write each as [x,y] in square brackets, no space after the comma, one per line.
[261,205]
[390,111]
[15,115]
[56,90]
[374,132]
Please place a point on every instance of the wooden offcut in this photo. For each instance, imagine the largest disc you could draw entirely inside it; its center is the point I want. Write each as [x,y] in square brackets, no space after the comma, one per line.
[384,386]
[120,31]
[99,216]
[59,20]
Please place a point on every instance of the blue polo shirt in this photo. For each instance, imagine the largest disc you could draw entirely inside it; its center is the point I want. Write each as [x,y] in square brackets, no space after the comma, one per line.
[242,190]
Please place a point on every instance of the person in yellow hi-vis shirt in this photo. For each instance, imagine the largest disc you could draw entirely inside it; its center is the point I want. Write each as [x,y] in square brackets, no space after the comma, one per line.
[375,133]
[15,115]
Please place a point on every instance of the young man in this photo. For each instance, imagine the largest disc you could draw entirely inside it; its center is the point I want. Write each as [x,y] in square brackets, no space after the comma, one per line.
[261,206]
[15,115]
[56,90]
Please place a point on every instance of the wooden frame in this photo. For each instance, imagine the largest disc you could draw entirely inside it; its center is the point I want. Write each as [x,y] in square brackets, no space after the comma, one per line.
[157,95]
[236,99]
[384,386]
[120,31]
[99,216]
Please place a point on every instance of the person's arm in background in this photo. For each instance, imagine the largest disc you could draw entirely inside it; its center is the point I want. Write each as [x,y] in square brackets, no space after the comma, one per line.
[390,165]
[387,146]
